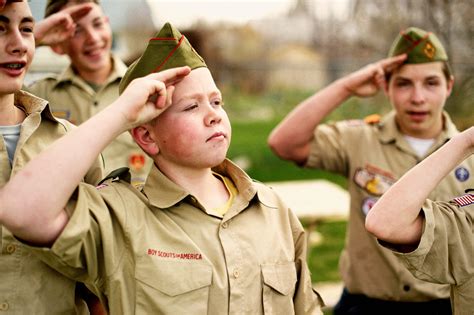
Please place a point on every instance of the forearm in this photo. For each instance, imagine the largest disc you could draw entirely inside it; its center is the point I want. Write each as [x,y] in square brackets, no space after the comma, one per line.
[292,137]
[396,218]
[32,202]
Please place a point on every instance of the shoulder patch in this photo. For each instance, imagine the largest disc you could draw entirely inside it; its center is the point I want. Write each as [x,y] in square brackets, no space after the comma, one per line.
[464,200]
[372,119]
[122,173]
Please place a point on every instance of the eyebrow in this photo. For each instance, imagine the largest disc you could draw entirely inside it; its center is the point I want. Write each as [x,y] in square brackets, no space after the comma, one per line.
[28,19]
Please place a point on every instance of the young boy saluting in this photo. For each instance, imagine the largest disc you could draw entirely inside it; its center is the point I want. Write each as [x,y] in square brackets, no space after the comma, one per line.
[201,237]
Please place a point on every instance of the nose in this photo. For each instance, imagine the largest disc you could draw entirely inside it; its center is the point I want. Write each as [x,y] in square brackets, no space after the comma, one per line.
[92,35]
[212,116]
[17,43]
[418,96]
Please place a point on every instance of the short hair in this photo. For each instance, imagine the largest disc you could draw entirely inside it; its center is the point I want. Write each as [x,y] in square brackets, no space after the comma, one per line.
[54,6]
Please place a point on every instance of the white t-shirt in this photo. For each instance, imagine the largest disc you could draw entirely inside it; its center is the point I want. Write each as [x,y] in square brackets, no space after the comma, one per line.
[421,146]
[10,134]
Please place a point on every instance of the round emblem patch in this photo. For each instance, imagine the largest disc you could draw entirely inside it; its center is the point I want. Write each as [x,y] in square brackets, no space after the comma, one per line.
[367,204]
[462,174]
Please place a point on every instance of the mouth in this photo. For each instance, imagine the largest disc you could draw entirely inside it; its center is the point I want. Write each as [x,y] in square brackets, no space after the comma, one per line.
[13,65]
[418,116]
[13,68]
[217,136]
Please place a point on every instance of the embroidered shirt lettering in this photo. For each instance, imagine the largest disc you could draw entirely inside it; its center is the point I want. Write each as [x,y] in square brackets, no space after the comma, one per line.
[173,255]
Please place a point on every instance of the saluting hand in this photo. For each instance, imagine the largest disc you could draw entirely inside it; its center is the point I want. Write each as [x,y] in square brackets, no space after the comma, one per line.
[371,78]
[60,26]
[147,97]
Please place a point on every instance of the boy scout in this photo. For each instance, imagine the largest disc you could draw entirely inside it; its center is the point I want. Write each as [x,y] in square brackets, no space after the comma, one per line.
[201,238]
[439,238]
[372,155]
[27,127]
[90,83]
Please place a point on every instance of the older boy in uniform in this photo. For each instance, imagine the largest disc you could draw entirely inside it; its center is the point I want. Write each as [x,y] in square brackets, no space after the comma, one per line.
[90,83]
[27,127]
[373,154]
[201,238]
[437,238]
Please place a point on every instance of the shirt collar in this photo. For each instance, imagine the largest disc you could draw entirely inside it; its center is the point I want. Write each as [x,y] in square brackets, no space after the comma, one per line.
[389,131]
[118,71]
[31,104]
[164,193]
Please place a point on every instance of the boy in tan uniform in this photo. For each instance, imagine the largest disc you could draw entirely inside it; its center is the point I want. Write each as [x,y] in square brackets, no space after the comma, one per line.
[90,83]
[201,238]
[27,127]
[373,155]
[438,240]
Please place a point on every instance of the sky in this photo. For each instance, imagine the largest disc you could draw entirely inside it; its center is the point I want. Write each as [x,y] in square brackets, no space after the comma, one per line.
[185,12]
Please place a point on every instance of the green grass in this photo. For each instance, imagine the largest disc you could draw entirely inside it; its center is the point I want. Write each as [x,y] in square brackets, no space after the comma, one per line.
[249,140]
[323,258]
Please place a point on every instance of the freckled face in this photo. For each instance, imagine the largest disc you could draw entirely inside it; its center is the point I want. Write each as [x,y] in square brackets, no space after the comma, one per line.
[418,93]
[195,130]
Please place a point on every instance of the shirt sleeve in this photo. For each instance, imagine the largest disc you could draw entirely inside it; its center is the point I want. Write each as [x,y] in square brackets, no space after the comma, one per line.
[92,244]
[445,252]
[329,150]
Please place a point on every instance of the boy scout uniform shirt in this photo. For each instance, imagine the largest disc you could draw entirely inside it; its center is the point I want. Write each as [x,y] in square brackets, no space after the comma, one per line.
[29,286]
[74,99]
[159,252]
[445,253]
[373,156]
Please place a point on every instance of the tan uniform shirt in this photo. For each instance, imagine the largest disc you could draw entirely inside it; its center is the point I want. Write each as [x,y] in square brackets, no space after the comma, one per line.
[159,252]
[73,99]
[446,251]
[373,157]
[27,285]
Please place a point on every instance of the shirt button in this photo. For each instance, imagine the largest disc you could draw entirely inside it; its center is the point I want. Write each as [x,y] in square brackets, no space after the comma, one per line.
[4,306]
[225,225]
[236,273]
[11,248]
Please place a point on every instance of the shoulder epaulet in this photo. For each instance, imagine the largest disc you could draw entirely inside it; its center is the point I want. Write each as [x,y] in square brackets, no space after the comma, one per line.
[372,119]
[122,173]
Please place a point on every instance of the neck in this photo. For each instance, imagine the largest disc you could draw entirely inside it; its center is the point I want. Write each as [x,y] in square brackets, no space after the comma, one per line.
[99,76]
[201,183]
[10,114]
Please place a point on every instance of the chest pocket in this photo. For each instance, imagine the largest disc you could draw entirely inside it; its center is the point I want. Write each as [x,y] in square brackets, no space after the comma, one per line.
[279,287]
[172,287]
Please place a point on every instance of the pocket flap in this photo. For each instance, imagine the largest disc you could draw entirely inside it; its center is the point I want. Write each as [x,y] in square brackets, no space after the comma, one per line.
[174,278]
[281,276]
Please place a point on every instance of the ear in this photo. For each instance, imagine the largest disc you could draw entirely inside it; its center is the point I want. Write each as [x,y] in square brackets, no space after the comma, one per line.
[450,85]
[144,137]
[58,49]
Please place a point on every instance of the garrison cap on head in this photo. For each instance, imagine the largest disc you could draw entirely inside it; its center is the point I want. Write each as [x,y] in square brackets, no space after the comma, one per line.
[53,6]
[419,45]
[168,49]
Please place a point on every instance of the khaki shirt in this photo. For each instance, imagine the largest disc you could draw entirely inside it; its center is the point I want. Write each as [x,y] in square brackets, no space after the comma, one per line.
[446,251]
[159,252]
[29,286]
[373,157]
[73,99]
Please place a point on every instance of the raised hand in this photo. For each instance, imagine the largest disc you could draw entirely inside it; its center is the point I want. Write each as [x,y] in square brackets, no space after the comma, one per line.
[371,78]
[60,26]
[147,97]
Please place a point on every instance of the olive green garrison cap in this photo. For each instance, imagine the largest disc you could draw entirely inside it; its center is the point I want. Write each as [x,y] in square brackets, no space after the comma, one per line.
[53,6]
[419,45]
[168,49]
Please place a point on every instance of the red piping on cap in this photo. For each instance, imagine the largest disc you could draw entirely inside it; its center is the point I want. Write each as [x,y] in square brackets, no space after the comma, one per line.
[414,43]
[171,52]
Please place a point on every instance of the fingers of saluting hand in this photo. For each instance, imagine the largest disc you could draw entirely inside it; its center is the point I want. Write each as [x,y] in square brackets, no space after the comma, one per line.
[78,11]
